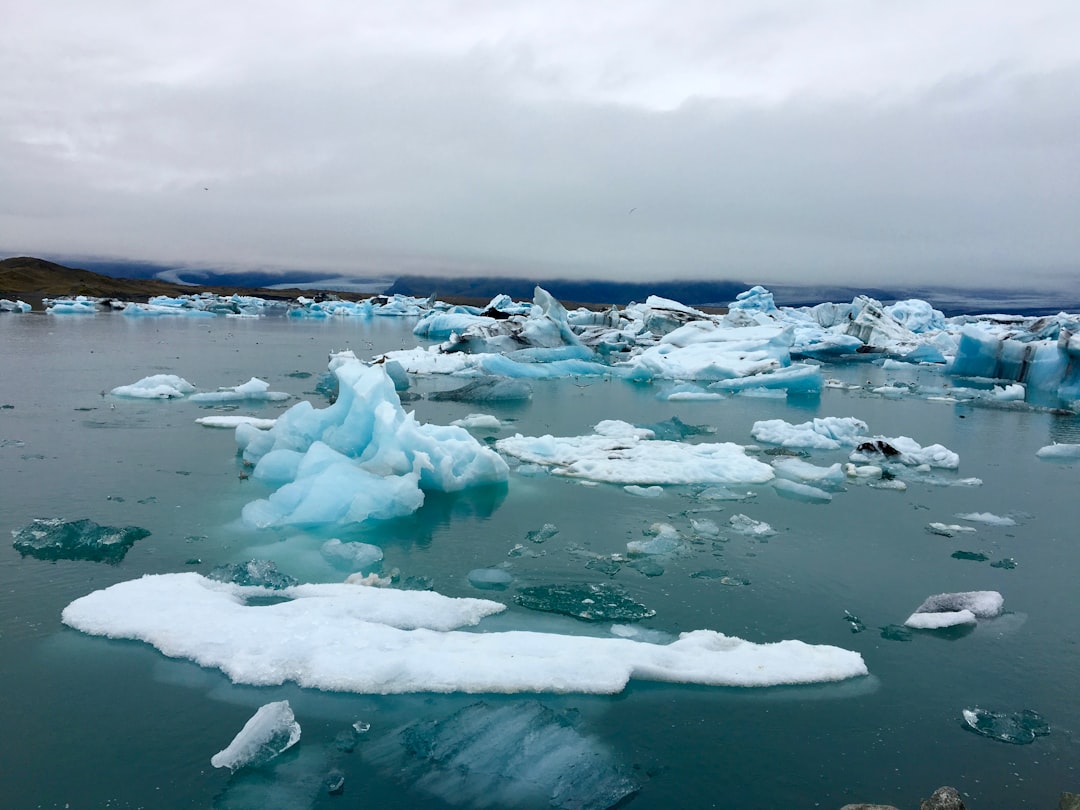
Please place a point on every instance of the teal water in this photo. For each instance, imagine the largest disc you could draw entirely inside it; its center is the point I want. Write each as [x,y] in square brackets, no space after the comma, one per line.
[91,722]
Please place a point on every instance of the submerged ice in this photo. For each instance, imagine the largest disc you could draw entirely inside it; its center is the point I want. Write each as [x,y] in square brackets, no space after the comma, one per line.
[352,638]
[58,539]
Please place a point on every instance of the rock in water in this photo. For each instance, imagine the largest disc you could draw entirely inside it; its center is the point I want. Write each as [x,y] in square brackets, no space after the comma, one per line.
[517,755]
[1020,728]
[594,603]
[944,798]
[57,539]
[270,731]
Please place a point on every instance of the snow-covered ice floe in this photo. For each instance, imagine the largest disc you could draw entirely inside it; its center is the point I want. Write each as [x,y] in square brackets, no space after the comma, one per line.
[620,453]
[349,638]
[952,609]
[361,458]
[156,386]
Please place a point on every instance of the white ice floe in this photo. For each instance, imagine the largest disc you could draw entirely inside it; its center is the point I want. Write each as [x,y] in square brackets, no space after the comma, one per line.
[949,529]
[1059,452]
[907,451]
[950,609]
[272,730]
[233,421]
[350,638]
[156,386]
[361,458]
[478,421]
[253,389]
[989,518]
[826,433]
[621,453]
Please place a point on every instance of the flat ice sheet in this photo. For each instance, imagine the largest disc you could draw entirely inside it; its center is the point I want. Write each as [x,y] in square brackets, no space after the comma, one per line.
[351,638]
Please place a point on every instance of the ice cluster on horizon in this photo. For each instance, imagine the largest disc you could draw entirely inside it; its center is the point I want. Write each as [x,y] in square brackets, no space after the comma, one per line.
[352,638]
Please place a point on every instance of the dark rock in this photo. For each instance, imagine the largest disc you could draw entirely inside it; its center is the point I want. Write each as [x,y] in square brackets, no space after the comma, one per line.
[1069,801]
[944,798]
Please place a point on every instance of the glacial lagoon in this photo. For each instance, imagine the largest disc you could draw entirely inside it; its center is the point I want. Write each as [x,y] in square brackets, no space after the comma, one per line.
[100,722]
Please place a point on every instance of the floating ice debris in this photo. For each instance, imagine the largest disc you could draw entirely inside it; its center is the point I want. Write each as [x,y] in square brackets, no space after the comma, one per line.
[647,566]
[602,602]
[949,529]
[973,556]
[233,421]
[863,471]
[544,533]
[724,494]
[361,458]
[795,469]
[705,527]
[490,579]
[604,565]
[156,386]
[253,573]
[664,539]
[750,527]
[854,621]
[1020,728]
[270,731]
[906,451]
[721,575]
[989,518]
[800,492]
[675,429]
[355,555]
[940,619]
[1007,564]
[350,638]
[654,491]
[827,433]
[58,539]
[478,421]
[253,389]
[491,389]
[1059,452]
[620,453]
[520,755]
[895,632]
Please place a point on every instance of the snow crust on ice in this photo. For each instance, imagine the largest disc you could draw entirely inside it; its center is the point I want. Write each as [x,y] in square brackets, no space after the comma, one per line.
[350,638]
[156,386]
[620,453]
[272,730]
[361,458]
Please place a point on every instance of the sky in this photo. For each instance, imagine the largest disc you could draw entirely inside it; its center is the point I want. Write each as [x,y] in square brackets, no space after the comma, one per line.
[846,141]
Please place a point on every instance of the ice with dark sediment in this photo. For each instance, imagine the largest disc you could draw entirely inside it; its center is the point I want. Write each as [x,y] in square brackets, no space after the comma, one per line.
[518,755]
[602,602]
[951,609]
[58,539]
[253,573]
[156,386]
[271,731]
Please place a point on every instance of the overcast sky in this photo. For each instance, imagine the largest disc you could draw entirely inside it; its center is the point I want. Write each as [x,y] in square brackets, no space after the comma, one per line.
[856,141]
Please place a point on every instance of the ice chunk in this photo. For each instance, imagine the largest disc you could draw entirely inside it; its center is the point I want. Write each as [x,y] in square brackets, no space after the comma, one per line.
[905,450]
[1059,452]
[983,604]
[750,527]
[1020,728]
[595,603]
[340,637]
[357,556]
[795,469]
[940,619]
[543,534]
[620,453]
[948,529]
[644,492]
[518,755]
[827,433]
[478,421]
[234,421]
[664,540]
[492,389]
[270,731]
[253,389]
[800,492]
[490,579]
[989,518]
[257,573]
[156,386]
[58,539]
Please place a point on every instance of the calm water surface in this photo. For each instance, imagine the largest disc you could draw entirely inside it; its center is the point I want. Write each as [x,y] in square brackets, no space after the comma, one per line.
[96,723]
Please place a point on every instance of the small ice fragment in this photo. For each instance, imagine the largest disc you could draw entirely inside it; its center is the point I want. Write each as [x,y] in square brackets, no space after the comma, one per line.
[748,526]
[856,623]
[937,621]
[356,555]
[862,470]
[478,421]
[644,492]
[233,421]
[335,782]
[545,532]
[270,731]
[973,556]
[705,527]
[261,573]
[724,494]
[795,491]
[989,518]
[1059,452]
[665,539]
[949,529]
[156,386]
[594,603]
[360,727]
[1020,728]
[1008,564]
[490,579]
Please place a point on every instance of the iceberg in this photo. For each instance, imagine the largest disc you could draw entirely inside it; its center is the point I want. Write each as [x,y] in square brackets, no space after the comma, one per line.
[519,755]
[352,638]
[620,453]
[156,386]
[57,539]
[272,730]
[362,458]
